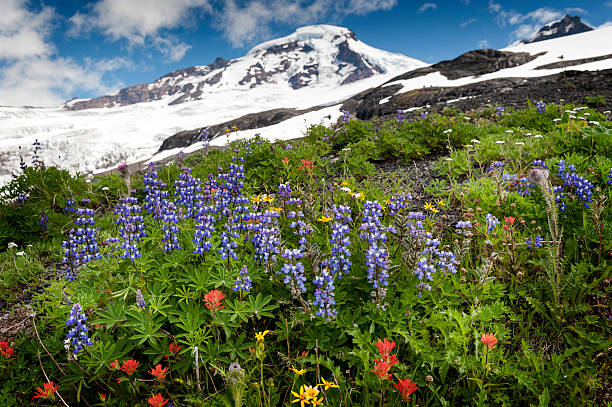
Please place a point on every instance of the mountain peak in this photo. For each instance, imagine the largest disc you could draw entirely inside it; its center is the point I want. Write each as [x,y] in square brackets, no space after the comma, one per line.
[307,34]
[568,25]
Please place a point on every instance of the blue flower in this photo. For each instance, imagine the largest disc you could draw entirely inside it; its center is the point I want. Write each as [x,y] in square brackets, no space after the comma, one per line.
[243,282]
[77,335]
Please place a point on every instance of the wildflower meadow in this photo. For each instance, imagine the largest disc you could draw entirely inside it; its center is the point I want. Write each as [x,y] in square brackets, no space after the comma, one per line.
[450,259]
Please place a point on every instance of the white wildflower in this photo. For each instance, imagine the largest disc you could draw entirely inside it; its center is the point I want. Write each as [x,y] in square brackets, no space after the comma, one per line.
[509,131]
[20,253]
[475,141]
[105,188]
[594,122]
[12,244]
[519,143]
[500,142]
[447,131]
[537,136]
[556,120]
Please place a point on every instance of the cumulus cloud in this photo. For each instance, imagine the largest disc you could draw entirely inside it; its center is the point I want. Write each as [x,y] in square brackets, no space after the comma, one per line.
[527,24]
[427,6]
[468,22]
[246,22]
[30,69]
[140,22]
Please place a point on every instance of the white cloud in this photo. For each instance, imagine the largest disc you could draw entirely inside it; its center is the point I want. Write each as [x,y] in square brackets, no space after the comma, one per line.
[141,22]
[483,44]
[247,22]
[468,22]
[427,6]
[606,24]
[31,71]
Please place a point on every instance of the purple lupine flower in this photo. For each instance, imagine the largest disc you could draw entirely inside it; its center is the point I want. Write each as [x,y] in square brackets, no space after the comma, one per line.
[187,192]
[541,107]
[397,203]
[423,115]
[204,230]
[205,138]
[36,160]
[86,235]
[77,335]
[294,278]
[170,219]
[539,163]
[580,185]
[433,260]
[377,256]
[43,220]
[464,227]
[399,116]
[324,295]
[609,177]
[340,262]
[243,282]
[70,206]
[499,110]
[492,222]
[131,228]
[346,116]
[154,193]
[536,242]
[140,301]
[71,259]
[266,238]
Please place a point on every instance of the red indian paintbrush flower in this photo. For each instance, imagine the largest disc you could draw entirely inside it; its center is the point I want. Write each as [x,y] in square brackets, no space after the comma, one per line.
[509,220]
[406,388]
[174,349]
[285,160]
[213,300]
[129,366]
[158,372]
[381,369]
[8,352]
[47,392]
[157,401]
[385,347]
[488,340]
[3,345]
[114,365]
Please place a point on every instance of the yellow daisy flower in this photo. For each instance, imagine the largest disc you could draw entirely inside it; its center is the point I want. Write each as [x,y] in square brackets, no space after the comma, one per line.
[260,335]
[300,397]
[324,219]
[311,392]
[298,372]
[317,402]
[327,385]
[256,199]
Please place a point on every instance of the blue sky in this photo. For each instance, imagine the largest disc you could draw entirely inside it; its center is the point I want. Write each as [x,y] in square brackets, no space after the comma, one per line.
[53,50]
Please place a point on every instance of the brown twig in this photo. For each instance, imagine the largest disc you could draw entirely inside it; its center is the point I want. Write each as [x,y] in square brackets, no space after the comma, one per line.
[48,381]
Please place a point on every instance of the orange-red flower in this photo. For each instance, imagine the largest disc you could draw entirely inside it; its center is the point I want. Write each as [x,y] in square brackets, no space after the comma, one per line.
[174,349]
[158,372]
[406,388]
[285,160]
[157,401]
[114,365]
[509,220]
[488,340]
[129,366]
[381,369]
[3,345]
[47,392]
[385,347]
[213,300]
[8,352]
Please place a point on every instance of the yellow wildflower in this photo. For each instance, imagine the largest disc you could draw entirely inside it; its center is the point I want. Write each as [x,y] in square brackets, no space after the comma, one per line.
[301,397]
[324,219]
[234,128]
[317,402]
[277,210]
[311,392]
[440,203]
[434,210]
[256,199]
[327,385]
[260,335]
[359,195]
[267,198]
[227,130]
[298,372]
[344,183]
[429,206]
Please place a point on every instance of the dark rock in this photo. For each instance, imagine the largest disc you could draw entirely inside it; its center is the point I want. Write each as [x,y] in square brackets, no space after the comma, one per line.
[347,56]
[573,62]
[573,86]
[250,121]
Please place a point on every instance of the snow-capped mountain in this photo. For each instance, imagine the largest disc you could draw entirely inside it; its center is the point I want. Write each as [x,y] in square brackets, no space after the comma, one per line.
[566,26]
[318,65]
[313,56]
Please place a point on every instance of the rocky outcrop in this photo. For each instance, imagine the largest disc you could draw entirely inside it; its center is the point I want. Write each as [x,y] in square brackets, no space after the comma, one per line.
[164,86]
[572,86]
[566,26]
[246,122]
[473,63]
[573,62]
